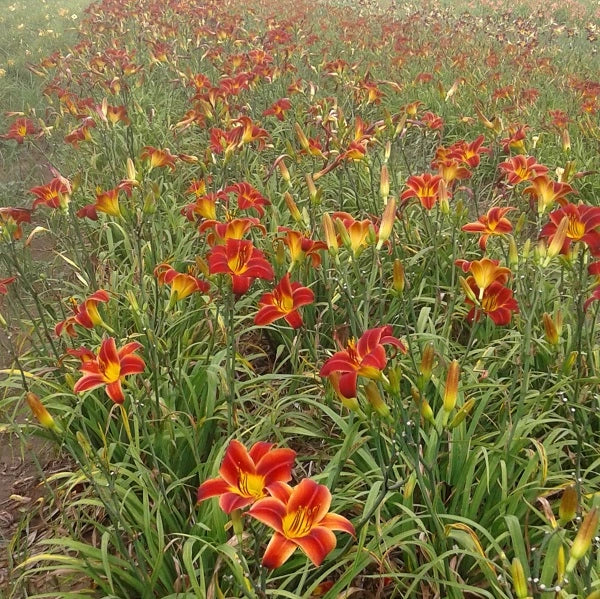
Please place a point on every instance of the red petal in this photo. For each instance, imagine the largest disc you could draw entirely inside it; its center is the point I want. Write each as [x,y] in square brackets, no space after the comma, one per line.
[232,501]
[129,348]
[236,459]
[258,450]
[108,351]
[294,319]
[281,491]
[269,511]
[267,315]
[317,544]
[309,494]
[276,465]
[211,488]
[132,365]
[115,392]
[347,384]
[88,382]
[278,551]
[337,522]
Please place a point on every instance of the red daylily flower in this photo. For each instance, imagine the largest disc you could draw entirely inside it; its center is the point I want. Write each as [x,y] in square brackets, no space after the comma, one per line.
[158,157]
[55,194]
[484,272]
[283,302]
[85,314]
[82,133]
[366,358]
[11,220]
[109,368]
[469,153]
[182,284]
[522,168]
[300,517]
[278,109]
[4,283]
[496,301]
[20,129]
[108,202]
[492,223]
[584,224]
[424,187]
[205,206]
[301,246]
[242,261]
[247,476]
[248,197]
[546,192]
[231,229]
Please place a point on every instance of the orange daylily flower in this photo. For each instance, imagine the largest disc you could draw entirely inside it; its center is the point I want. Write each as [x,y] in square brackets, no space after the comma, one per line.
[109,369]
[248,197]
[205,207]
[182,284]
[469,153]
[11,220]
[158,158]
[108,202]
[492,223]
[239,259]
[283,302]
[278,109]
[484,272]
[85,314]
[357,231]
[301,247]
[20,129]
[82,133]
[247,476]
[300,517]
[583,225]
[546,192]
[522,168]
[55,194]
[235,228]
[496,301]
[363,358]
[424,187]
[451,170]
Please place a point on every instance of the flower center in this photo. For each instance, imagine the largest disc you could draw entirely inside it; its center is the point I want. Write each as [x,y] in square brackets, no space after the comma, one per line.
[251,485]
[299,523]
[489,303]
[111,371]
[575,229]
[238,263]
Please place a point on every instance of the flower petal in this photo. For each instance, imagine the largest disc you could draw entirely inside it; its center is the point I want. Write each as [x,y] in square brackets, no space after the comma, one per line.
[278,551]
[317,544]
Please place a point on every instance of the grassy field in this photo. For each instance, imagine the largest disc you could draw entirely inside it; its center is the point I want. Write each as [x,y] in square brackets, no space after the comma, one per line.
[326,320]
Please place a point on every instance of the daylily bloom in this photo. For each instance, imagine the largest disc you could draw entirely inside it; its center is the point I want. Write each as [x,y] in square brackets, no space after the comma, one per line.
[241,261]
[300,517]
[85,314]
[515,140]
[546,192]
[583,225]
[484,272]
[108,202]
[365,358]
[158,157]
[109,369]
[20,129]
[496,301]
[205,206]
[301,247]
[248,197]
[451,170]
[247,476]
[4,283]
[182,284]
[278,109]
[283,302]
[231,229]
[82,133]
[469,153]
[356,232]
[11,220]
[55,194]
[117,113]
[522,168]
[424,187]
[492,223]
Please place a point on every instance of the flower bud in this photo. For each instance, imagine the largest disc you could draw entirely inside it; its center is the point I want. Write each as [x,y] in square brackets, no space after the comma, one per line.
[313,192]
[569,362]
[398,280]
[519,581]
[302,137]
[409,486]
[583,540]
[550,329]
[283,170]
[443,197]
[462,413]
[513,253]
[40,412]
[558,240]
[424,407]
[330,236]
[279,252]
[84,444]
[451,389]
[292,207]
[374,398]
[568,505]
[566,140]
[384,183]
[426,365]
[394,376]
[387,222]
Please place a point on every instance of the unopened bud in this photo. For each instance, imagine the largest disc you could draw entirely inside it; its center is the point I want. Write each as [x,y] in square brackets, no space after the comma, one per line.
[558,241]
[292,207]
[520,223]
[550,329]
[374,398]
[387,222]
[519,580]
[330,236]
[583,540]
[313,192]
[513,253]
[423,405]
[280,252]
[41,413]
[451,389]
[426,365]
[462,413]
[285,174]
[384,184]
[566,140]
[568,505]
[398,280]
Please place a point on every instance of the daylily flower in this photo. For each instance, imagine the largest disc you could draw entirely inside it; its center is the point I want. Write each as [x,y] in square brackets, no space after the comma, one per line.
[300,517]
[583,225]
[205,206]
[55,194]
[425,188]
[20,129]
[356,232]
[11,220]
[365,358]
[283,302]
[515,140]
[469,153]
[248,197]
[158,157]
[182,284]
[247,476]
[484,272]
[492,223]
[4,283]
[301,247]
[231,229]
[522,168]
[278,109]
[241,261]
[546,192]
[496,301]
[109,369]
[451,170]
[82,133]
[85,314]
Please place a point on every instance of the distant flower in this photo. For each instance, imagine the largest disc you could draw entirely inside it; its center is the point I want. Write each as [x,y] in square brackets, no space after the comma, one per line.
[182,284]
[426,188]
[283,302]
[55,194]
[492,223]
[4,283]
[158,158]
[11,220]
[522,168]
[85,314]
[21,129]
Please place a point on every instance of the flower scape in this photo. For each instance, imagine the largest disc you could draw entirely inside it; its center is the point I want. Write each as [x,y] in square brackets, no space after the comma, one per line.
[306,296]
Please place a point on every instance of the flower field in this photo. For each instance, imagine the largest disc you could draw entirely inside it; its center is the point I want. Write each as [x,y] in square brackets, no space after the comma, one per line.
[306,295]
